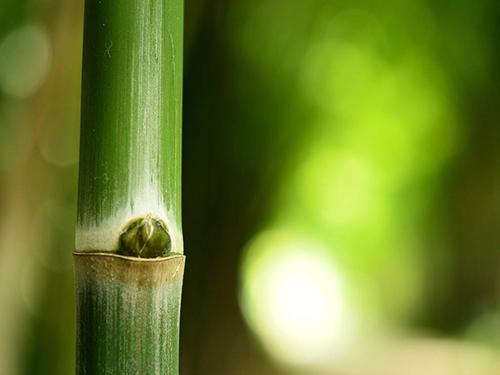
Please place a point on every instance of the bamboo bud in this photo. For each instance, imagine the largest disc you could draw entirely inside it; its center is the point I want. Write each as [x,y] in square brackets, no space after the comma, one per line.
[145,237]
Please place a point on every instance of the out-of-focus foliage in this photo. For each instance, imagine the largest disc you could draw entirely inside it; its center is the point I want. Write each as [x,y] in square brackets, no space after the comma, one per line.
[341,196]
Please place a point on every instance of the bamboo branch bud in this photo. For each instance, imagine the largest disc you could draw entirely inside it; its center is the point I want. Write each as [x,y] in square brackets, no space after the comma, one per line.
[145,237]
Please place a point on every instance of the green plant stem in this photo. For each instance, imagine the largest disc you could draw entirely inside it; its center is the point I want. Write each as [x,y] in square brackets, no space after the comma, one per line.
[130,148]
[128,314]
[129,189]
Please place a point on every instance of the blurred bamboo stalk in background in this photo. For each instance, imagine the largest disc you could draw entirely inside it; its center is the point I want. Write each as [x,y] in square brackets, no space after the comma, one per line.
[128,259]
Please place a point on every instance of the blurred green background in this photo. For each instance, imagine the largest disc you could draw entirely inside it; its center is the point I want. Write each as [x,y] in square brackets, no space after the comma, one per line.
[341,186]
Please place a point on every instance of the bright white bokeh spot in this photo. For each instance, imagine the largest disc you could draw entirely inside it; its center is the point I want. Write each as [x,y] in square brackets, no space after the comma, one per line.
[292,298]
[304,299]
[25,57]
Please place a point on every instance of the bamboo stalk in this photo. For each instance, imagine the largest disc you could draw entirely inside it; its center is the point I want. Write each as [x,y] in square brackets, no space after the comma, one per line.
[130,148]
[127,314]
[129,199]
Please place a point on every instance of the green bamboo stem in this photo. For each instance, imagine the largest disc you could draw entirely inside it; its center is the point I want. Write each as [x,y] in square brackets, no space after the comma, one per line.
[129,196]
[130,152]
[127,314]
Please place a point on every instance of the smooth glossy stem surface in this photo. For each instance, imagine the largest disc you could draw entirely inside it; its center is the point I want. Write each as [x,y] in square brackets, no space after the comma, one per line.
[130,152]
